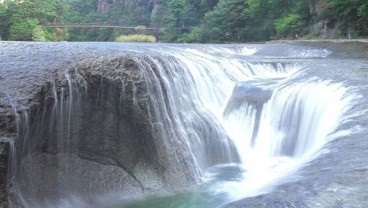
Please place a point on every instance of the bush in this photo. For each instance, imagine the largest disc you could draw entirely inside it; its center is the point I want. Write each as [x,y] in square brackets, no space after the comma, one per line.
[38,34]
[136,38]
[140,29]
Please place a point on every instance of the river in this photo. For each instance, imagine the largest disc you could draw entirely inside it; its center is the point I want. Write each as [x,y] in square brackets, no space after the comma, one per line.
[167,125]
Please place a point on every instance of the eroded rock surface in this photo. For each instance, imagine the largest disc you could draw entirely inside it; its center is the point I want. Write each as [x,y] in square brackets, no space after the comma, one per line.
[79,111]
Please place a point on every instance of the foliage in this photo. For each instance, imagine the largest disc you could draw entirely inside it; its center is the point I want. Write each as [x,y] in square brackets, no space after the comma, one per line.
[349,16]
[225,21]
[38,34]
[344,14]
[195,35]
[255,20]
[124,13]
[140,29]
[363,18]
[21,18]
[181,20]
[179,16]
[136,38]
[287,25]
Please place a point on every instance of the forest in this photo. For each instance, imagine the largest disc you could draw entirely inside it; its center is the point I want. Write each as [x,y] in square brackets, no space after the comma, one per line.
[186,21]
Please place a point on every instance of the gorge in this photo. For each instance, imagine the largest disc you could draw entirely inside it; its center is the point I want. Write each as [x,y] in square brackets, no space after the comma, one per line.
[170,125]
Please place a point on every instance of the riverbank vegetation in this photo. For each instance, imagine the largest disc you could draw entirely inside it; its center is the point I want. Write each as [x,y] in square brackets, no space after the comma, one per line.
[136,38]
[185,20]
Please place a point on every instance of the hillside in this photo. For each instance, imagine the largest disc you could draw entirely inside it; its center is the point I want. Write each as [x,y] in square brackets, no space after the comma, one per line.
[186,20]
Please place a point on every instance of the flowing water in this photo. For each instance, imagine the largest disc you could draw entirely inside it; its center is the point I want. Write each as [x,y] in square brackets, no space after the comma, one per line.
[246,125]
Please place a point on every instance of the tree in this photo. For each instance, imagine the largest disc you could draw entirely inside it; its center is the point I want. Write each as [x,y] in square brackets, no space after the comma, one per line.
[180,16]
[21,17]
[226,21]
[295,21]
[363,17]
[4,20]
[129,13]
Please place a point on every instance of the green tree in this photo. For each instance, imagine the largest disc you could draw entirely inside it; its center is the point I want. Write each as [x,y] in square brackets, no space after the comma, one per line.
[363,17]
[5,14]
[226,21]
[180,16]
[119,13]
[295,21]
[21,17]
[194,35]
[289,25]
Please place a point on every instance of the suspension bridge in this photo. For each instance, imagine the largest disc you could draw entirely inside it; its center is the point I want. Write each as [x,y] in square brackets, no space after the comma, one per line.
[104,25]
[96,25]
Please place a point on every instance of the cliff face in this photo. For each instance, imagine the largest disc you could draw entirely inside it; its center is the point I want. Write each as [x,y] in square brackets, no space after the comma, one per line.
[326,27]
[107,5]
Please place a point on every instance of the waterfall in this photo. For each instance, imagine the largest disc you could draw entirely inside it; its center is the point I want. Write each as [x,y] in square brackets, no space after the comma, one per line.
[278,118]
[204,111]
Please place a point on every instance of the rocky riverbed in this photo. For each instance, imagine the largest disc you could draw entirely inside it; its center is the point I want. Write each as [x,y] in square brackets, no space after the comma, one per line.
[31,74]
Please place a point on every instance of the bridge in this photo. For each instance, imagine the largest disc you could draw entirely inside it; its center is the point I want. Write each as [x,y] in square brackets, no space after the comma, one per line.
[98,25]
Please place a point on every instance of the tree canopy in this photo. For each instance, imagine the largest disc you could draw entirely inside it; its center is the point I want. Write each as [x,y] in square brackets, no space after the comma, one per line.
[183,20]
[23,19]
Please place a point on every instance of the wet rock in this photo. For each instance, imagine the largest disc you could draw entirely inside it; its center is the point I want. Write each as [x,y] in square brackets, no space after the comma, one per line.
[4,165]
[248,93]
[100,123]
[103,120]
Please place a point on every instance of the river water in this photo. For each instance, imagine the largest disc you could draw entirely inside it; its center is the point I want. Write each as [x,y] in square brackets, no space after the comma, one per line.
[250,117]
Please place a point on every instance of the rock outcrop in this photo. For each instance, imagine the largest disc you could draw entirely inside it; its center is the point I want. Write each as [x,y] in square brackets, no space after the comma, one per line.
[80,122]
[248,92]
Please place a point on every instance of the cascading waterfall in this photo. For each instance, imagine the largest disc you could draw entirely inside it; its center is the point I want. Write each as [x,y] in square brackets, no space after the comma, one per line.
[210,111]
[277,120]
[291,129]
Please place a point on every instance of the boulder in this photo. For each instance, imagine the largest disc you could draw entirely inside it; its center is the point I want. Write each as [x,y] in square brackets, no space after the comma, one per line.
[248,93]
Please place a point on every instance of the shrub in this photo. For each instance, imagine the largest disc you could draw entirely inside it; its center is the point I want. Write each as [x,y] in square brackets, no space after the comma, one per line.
[38,34]
[136,38]
[140,29]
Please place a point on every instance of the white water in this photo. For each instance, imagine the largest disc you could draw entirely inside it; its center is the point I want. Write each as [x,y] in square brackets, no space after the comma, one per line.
[198,88]
[273,139]
[294,126]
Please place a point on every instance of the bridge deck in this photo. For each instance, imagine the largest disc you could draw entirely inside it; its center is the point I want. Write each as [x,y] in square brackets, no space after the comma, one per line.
[97,26]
